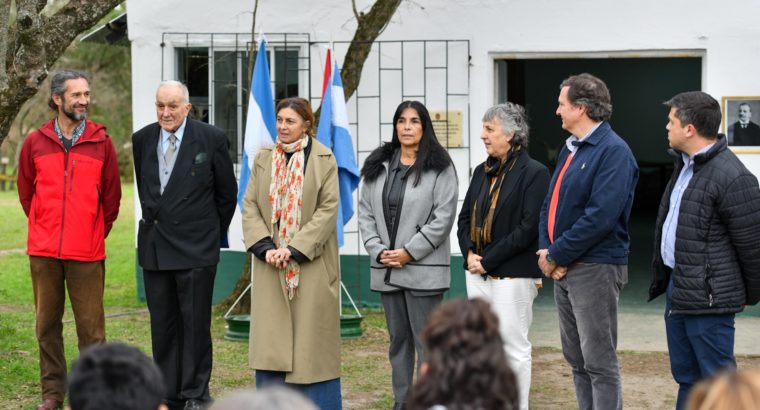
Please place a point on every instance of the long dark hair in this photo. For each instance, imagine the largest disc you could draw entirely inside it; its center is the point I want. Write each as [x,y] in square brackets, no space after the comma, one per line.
[429,145]
[467,368]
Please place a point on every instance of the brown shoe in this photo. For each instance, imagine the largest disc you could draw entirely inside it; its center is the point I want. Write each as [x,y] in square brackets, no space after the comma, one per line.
[50,404]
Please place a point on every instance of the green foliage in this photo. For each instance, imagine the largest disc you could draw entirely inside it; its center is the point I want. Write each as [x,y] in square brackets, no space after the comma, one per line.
[110,72]
[110,68]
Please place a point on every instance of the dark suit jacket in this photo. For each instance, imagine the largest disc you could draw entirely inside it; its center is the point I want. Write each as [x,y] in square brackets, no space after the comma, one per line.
[745,136]
[512,253]
[182,229]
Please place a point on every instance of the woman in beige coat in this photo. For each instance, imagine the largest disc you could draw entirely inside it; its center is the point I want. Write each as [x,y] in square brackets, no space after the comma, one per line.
[289,214]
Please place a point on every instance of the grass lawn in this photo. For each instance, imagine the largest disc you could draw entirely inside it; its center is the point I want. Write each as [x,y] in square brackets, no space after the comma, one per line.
[363,364]
[647,383]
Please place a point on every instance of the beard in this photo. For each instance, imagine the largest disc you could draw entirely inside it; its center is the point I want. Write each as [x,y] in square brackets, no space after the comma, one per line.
[69,111]
[73,115]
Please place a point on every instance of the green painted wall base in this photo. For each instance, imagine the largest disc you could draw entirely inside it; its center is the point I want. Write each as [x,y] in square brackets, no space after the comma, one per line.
[354,275]
[227,274]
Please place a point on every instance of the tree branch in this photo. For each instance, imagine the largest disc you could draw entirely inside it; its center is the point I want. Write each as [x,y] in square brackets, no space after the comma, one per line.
[40,5]
[34,43]
[356,13]
[370,26]
[244,306]
[252,51]
[71,20]
[28,48]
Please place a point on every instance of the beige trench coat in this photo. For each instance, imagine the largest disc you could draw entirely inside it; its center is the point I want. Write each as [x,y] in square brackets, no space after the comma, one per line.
[301,336]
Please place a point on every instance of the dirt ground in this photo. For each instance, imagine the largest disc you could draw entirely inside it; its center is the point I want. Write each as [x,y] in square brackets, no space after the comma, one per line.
[647,383]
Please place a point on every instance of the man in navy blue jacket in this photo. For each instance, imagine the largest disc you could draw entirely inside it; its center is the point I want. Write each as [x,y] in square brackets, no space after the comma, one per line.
[583,238]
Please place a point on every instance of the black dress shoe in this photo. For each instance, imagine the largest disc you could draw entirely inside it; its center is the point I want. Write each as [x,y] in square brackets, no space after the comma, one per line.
[193,405]
[174,404]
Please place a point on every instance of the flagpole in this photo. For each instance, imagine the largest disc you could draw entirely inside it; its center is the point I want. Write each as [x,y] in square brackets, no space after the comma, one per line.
[260,130]
[328,82]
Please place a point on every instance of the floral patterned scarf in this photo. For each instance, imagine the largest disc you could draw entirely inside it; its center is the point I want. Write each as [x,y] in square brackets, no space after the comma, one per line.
[285,193]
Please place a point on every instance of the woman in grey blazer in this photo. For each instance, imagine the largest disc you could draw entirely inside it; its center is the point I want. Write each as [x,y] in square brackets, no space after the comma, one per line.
[407,207]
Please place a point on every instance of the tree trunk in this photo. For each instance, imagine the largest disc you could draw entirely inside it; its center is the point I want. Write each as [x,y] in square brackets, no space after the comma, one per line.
[369,28]
[33,42]
[244,306]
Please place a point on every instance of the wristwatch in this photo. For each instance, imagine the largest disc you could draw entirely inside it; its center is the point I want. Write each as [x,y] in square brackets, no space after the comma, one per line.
[550,259]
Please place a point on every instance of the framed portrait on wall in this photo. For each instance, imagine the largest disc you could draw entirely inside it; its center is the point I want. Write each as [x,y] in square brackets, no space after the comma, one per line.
[741,122]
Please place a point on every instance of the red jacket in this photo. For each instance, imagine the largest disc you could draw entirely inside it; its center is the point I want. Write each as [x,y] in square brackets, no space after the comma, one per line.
[70,199]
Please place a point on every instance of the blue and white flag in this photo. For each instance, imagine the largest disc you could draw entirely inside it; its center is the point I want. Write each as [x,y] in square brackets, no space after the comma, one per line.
[333,132]
[260,130]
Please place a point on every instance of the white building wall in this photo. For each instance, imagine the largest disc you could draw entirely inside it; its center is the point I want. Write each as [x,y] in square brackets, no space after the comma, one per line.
[724,34]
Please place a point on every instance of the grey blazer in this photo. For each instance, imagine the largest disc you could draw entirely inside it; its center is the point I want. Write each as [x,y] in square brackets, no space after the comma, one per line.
[425,218]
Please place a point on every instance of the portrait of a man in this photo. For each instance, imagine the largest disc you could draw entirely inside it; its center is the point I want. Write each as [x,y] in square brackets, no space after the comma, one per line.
[741,129]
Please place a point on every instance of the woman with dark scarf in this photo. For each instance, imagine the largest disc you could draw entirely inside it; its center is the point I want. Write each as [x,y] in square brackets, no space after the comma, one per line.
[498,232]
[407,207]
[289,214]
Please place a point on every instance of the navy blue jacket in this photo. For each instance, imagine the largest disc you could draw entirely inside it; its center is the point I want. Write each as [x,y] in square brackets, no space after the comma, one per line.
[595,199]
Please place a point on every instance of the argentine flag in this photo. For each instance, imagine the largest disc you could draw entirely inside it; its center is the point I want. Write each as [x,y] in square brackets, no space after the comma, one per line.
[333,133]
[260,130]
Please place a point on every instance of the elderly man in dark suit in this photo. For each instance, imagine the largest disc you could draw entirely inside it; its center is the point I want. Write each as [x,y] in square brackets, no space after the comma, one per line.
[187,191]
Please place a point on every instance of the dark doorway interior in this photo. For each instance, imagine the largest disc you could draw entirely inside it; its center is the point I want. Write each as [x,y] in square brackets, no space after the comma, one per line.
[638,87]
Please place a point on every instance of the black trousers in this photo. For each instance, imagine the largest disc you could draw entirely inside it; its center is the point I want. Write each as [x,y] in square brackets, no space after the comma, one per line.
[179,302]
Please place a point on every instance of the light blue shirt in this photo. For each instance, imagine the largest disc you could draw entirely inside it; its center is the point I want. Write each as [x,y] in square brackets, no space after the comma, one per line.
[668,242]
[166,134]
[569,141]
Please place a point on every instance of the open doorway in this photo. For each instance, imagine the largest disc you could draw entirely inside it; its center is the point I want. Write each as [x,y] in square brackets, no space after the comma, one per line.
[638,87]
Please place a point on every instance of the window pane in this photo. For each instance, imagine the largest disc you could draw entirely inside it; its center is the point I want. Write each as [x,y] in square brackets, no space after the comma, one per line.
[192,70]
[225,97]
[245,88]
[286,73]
[231,86]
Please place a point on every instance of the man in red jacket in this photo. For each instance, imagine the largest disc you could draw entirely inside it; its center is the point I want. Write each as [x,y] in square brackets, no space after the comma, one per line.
[68,185]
